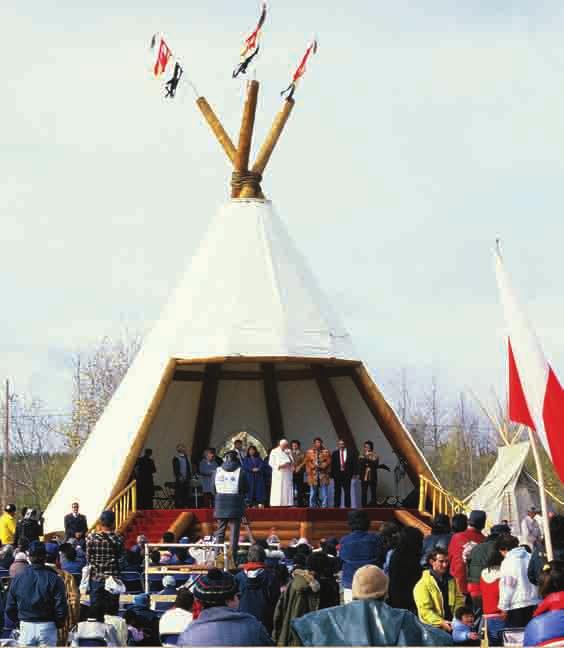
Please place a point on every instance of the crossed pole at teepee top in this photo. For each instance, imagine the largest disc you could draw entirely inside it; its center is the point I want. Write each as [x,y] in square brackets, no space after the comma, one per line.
[245,182]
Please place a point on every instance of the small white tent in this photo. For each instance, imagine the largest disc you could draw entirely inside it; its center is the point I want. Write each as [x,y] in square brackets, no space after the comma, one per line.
[508,490]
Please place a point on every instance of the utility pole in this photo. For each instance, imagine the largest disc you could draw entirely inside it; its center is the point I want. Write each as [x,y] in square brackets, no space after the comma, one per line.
[6,447]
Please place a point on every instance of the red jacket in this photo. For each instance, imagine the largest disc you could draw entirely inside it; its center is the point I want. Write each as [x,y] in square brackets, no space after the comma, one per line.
[455,549]
[489,587]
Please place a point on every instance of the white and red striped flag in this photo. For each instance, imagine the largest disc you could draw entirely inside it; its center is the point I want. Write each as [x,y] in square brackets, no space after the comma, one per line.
[536,398]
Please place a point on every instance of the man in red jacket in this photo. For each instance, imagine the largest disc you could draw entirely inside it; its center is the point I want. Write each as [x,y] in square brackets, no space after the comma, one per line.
[460,546]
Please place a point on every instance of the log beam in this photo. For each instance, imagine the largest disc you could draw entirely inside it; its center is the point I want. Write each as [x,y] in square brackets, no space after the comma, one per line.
[272,399]
[391,427]
[206,411]
[217,128]
[331,400]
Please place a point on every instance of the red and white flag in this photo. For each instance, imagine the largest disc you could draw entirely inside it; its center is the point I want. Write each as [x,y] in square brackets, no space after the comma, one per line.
[536,398]
[163,54]
[301,69]
[251,45]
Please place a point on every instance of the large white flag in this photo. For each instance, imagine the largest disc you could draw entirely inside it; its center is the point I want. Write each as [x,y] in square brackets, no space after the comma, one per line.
[536,398]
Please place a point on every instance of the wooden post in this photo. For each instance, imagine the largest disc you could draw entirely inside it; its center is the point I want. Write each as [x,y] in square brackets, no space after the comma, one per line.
[273,136]
[542,493]
[6,447]
[272,399]
[246,132]
[334,408]
[217,128]
[206,411]
[268,146]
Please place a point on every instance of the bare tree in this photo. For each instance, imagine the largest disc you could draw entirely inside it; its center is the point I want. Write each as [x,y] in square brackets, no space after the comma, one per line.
[39,453]
[97,374]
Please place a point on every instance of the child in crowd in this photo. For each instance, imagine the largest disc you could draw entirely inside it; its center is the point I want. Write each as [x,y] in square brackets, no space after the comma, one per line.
[463,631]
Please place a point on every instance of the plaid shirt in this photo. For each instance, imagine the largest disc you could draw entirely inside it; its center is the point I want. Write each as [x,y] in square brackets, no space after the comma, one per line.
[103,552]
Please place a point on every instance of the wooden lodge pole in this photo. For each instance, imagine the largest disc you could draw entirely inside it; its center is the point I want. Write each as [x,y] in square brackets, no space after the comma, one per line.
[246,133]
[268,147]
[270,142]
[217,128]
[6,447]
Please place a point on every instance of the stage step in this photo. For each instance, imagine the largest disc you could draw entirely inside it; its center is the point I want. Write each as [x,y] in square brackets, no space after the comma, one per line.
[289,523]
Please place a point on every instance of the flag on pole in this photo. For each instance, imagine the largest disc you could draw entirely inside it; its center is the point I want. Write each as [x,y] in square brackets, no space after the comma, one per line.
[162,57]
[251,45]
[536,398]
[300,70]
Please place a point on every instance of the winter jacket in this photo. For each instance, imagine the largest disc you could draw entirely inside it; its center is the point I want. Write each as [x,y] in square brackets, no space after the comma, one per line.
[432,541]
[222,626]
[429,600]
[231,505]
[479,558]
[259,590]
[315,468]
[547,623]
[460,631]
[30,530]
[7,528]
[538,561]
[455,549]
[37,595]
[366,623]
[489,588]
[515,589]
[301,596]
[357,549]
[207,475]
[404,573]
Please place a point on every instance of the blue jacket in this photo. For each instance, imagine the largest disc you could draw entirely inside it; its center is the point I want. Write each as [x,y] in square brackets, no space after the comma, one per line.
[222,626]
[259,591]
[366,623]
[38,595]
[548,622]
[357,549]
[460,631]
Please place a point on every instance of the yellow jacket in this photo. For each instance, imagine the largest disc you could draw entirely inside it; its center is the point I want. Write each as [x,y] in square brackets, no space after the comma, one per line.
[429,600]
[7,528]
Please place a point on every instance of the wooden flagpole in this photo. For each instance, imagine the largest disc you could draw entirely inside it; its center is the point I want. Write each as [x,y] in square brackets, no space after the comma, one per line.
[217,128]
[542,493]
[6,447]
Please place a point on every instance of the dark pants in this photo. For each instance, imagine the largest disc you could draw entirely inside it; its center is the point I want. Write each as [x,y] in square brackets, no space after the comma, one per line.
[181,493]
[234,528]
[299,489]
[208,500]
[520,617]
[342,482]
[145,495]
[364,489]
[100,596]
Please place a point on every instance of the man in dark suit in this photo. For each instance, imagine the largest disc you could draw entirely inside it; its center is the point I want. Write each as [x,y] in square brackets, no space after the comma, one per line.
[343,467]
[182,476]
[76,525]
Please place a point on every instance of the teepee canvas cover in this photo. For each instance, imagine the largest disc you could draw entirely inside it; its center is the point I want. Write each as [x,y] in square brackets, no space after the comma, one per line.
[248,341]
[507,491]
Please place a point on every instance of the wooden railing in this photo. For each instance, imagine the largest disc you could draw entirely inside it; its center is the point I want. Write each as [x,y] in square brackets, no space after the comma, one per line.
[434,499]
[124,504]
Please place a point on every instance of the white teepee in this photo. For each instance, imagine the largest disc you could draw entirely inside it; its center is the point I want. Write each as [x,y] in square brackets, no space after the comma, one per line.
[247,342]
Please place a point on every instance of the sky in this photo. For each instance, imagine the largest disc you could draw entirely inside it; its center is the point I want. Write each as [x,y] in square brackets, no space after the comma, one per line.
[420,134]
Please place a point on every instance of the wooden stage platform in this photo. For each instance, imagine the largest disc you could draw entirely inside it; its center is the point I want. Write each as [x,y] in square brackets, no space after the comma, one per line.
[290,522]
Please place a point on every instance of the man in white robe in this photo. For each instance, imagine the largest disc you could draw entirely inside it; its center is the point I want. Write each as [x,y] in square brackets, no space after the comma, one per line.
[281,462]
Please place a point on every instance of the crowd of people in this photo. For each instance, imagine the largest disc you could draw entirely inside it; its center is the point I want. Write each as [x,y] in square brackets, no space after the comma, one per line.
[390,586]
[287,476]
